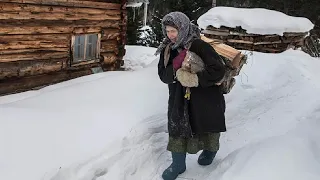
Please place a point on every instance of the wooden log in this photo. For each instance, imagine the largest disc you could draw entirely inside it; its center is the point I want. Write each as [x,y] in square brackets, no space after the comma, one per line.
[35,30]
[14,7]
[33,45]
[239,41]
[295,40]
[8,70]
[272,37]
[21,51]
[83,63]
[288,34]
[221,29]
[57,16]
[86,30]
[60,23]
[57,29]
[217,33]
[41,37]
[40,67]
[30,82]
[109,46]
[109,58]
[70,3]
[110,34]
[27,68]
[261,43]
[33,56]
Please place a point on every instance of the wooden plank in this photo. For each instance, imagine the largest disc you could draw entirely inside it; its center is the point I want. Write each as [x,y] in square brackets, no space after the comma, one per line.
[20,51]
[14,7]
[33,56]
[69,3]
[33,45]
[57,16]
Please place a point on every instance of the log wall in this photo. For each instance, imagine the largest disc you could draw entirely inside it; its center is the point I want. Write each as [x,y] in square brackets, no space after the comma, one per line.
[36,37]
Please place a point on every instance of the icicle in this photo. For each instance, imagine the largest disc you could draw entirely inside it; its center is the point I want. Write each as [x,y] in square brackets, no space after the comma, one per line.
[134,14]
[145,13]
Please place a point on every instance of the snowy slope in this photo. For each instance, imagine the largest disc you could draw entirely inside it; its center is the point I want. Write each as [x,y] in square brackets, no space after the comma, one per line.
[83,126]
[254,20]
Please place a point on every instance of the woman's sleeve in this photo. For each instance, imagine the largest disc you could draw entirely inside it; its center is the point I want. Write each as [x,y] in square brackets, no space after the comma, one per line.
[166,74]
[214,69]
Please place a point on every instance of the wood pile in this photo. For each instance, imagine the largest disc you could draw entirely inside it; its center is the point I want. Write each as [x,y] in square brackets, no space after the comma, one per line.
[233,60]
[312,46]
[239,39]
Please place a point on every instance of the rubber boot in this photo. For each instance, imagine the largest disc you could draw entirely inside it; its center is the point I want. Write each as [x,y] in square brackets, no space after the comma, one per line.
[206,157]
[178,166]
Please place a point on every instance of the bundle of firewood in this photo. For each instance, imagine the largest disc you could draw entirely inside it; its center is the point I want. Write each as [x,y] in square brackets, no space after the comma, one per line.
[233,60]
[239,39]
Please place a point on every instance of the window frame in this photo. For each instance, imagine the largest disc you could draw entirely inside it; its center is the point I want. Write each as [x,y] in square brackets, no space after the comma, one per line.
[84,60]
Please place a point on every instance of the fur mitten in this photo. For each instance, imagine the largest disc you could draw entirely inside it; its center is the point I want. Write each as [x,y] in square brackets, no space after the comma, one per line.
[187,79]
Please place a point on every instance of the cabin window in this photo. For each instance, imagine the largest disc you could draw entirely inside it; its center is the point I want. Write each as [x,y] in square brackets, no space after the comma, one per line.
[86,47]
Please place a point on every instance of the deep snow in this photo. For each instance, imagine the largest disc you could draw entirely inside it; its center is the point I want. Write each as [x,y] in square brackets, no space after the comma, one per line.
[112,125]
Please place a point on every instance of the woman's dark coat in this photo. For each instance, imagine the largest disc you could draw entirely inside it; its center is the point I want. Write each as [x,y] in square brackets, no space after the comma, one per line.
[207,103]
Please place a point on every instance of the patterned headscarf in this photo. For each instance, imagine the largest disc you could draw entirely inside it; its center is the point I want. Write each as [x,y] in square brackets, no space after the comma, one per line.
[187,31]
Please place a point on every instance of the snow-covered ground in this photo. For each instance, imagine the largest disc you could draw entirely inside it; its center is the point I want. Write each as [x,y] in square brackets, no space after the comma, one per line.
[254,20]
[112,125]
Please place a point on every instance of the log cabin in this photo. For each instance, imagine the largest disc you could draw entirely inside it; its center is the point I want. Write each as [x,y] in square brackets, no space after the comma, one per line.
[43,42]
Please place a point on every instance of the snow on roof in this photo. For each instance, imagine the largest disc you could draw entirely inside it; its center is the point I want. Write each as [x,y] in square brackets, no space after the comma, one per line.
[254,20]
[136,3]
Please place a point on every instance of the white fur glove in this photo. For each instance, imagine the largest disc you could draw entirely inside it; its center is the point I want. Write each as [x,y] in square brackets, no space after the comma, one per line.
[187,79]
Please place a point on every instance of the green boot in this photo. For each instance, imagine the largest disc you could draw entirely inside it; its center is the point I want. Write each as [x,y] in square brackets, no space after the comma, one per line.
[178,166]
[206,157]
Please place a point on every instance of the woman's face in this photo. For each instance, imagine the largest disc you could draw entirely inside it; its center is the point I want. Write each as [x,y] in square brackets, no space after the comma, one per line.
[172,33]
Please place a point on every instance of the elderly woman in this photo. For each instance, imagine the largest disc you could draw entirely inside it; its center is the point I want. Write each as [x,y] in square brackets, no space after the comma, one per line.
[194,123]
